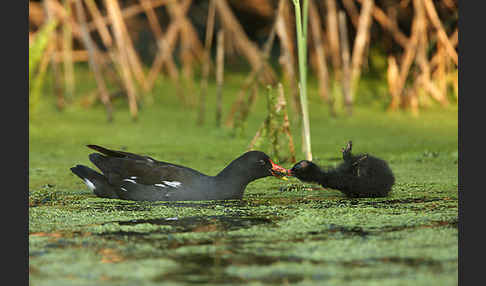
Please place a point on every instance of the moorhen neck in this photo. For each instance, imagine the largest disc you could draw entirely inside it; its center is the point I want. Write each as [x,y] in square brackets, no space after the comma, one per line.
[141,178]
[360,175]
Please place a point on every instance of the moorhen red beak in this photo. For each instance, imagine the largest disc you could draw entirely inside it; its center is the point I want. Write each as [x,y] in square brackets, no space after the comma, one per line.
[278,171]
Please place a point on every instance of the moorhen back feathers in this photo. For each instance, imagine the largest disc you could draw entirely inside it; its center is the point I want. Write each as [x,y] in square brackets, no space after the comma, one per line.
[141,178]
[359,175]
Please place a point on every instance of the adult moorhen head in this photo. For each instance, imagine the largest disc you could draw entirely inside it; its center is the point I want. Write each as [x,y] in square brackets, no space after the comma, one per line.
[141,178]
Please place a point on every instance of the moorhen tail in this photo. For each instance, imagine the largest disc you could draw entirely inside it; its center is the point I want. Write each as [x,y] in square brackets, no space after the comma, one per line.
[359,175]
[141,178]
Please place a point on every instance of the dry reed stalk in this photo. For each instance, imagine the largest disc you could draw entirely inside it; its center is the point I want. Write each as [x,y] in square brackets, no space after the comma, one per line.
[120,28]
[435,92]
[61,14]
[101,26]
[275,123]
[353,12]
[246,47]
[407,59]
[360,42]
[37,15]
[161,43]
[123,55]
[422,80]
[253,83]
[46,58]
[190,46]
[129,12]
[164,55]
[437,57]
[219,76]
[206,62]
[440,73]
[230,47]
[454,38]
[287,52]
[166,45]
[69,81]
[31,37]
[452,77]
[189,37]
[425,77]
[434,19]
[272,126]
[248,83]
[451,4]
[107,40]
[195,45]
[154,26]
[254,76]
[382,18]
[36,83]
[346,66]
[323,74]
[92,59]
[286,123]
[413,101]
[333,35]
[403,3]
[392,78]
[152,18]
[58,89]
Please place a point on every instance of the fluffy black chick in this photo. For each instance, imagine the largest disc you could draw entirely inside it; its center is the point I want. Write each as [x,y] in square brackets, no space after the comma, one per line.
[359,176]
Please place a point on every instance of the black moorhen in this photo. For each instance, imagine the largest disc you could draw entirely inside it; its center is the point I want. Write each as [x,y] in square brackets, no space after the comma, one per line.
[141,178]
[359,176]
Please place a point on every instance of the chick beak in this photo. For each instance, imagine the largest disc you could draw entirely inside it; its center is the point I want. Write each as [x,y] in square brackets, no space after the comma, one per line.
[279,172]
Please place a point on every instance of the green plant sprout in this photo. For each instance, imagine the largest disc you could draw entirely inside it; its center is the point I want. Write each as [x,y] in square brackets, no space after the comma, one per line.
[301,27]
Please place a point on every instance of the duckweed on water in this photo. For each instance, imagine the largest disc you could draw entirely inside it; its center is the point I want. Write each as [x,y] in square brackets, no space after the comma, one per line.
[279,233]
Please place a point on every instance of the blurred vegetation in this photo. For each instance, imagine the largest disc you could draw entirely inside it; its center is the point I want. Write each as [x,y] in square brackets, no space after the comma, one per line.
[37,69]
[155,21]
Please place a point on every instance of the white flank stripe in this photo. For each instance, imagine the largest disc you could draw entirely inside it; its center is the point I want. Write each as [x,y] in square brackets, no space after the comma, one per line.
[123,189]
[174,184]
[133,177]
[131,181]
[89,184]
[161,185]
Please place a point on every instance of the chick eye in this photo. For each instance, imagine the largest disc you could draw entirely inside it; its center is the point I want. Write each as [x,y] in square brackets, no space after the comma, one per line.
[261,162]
